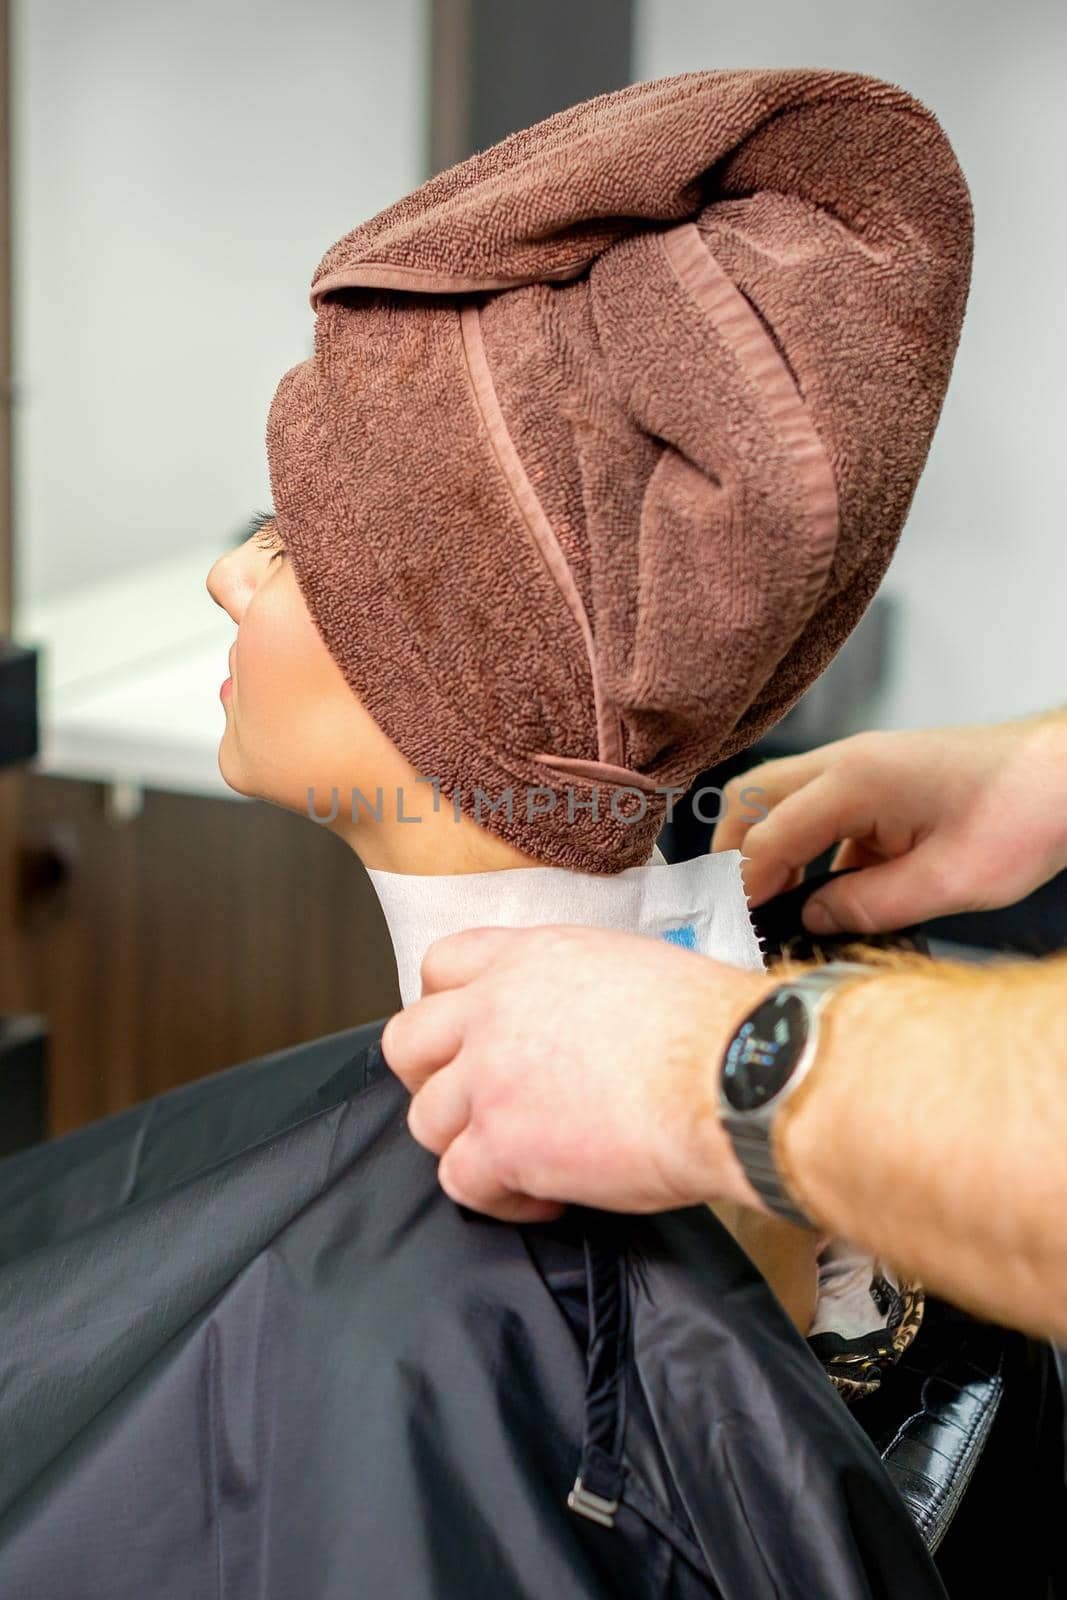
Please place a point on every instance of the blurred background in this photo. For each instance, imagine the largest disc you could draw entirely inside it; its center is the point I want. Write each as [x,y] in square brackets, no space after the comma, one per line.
[169,178]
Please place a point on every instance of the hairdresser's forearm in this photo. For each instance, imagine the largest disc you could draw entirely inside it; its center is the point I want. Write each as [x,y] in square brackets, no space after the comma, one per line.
[933,1130]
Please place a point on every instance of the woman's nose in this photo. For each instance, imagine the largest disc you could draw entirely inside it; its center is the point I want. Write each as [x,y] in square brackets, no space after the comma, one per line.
[230,581]
[217,585]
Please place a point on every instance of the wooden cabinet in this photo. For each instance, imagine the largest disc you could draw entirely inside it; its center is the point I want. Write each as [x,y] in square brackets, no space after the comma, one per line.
[166,945]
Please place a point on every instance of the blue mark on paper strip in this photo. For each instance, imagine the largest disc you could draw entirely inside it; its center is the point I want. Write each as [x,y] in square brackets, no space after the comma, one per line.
[686,936]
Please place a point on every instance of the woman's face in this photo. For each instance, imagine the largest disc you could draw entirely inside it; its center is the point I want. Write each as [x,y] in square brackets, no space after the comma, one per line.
[294,724]
[292,721]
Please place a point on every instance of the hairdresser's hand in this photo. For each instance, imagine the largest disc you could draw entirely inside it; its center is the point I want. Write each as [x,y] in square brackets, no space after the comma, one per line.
[572,1064]
[940,820]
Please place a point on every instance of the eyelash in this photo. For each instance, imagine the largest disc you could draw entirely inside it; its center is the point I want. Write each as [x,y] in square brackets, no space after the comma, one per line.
[266,533]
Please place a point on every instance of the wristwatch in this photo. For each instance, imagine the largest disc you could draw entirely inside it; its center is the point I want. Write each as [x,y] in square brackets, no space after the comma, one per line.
[764,1064]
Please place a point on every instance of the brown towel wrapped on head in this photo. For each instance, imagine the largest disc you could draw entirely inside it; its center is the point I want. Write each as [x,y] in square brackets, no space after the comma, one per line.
[611,430]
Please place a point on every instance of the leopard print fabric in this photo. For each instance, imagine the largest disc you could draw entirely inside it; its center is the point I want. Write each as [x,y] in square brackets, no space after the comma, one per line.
[855,1367]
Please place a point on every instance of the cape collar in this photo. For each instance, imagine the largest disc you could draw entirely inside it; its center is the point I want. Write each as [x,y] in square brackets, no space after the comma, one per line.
[699,904]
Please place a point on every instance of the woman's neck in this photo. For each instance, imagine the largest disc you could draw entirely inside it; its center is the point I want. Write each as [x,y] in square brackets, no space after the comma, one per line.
[401,824]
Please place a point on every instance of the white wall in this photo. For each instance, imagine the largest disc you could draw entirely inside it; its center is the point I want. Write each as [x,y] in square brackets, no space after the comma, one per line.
[981,572]
[179,170]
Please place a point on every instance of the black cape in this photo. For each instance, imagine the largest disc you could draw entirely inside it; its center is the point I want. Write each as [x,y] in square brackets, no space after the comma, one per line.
[252,1351]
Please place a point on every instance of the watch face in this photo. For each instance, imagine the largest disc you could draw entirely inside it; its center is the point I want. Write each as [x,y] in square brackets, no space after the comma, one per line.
[764,1052]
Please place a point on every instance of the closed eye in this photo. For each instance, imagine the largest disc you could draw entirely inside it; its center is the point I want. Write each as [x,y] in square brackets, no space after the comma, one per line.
[263,527]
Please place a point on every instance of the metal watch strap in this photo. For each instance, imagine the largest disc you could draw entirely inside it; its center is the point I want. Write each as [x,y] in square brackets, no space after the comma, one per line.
[750,1132]
[754,1153]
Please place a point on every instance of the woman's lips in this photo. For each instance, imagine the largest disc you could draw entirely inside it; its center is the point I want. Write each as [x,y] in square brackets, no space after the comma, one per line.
[228,683]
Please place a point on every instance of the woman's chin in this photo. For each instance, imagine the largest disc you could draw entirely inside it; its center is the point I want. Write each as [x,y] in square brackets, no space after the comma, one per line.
[234,776]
